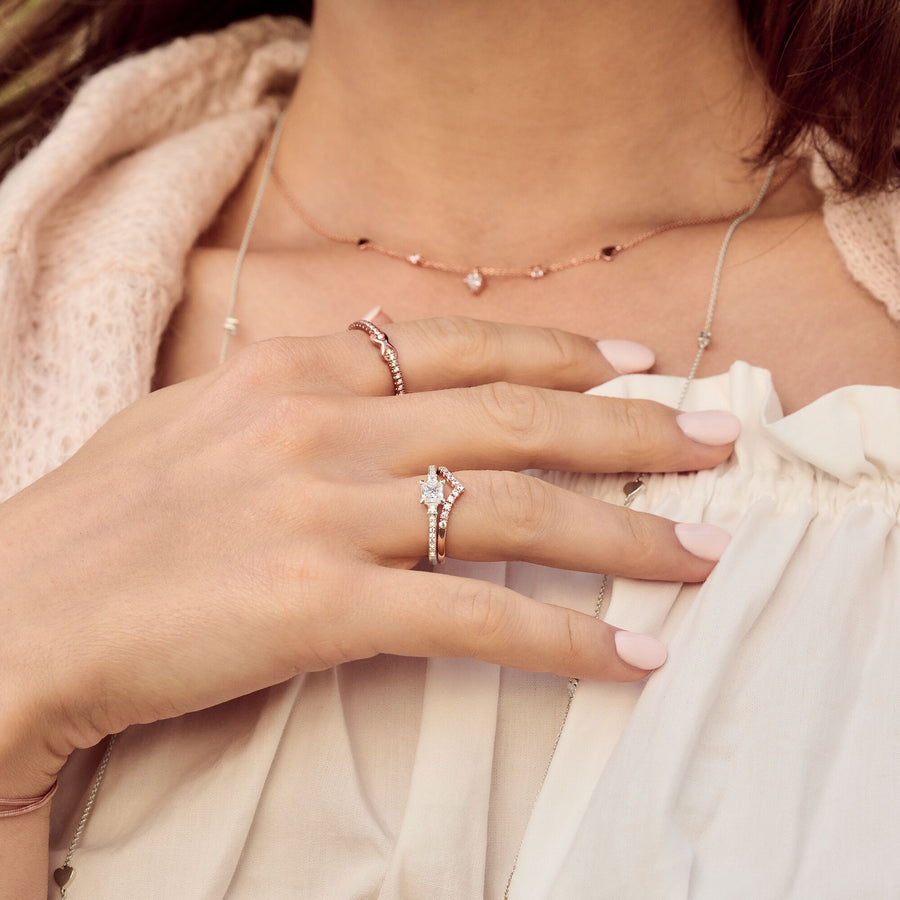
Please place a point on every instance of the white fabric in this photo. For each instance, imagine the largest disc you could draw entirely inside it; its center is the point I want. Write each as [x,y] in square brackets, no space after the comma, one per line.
[759,762]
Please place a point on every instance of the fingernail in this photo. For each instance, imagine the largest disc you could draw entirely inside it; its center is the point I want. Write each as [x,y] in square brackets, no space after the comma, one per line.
[640,650]
[706,541]
[627,356]
[712,426]
[372,313]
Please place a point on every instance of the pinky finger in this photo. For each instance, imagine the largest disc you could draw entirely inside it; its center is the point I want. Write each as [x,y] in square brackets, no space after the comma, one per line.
[428,614]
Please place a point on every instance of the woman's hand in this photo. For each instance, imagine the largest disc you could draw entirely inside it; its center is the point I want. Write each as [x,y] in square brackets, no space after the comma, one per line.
[231,531]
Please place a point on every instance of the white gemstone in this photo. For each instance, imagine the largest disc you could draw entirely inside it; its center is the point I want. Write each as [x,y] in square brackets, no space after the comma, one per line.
[474,281]
[537,272]
[432,493]
[415,258]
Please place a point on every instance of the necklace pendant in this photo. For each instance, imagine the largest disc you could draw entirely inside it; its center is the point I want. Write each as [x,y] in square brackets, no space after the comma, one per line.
[609,253]
[62,876]
[474,281]
[632,489]
[537,272]
[414,258]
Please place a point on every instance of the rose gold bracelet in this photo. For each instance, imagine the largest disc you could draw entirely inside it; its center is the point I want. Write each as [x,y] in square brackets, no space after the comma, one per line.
[11,808]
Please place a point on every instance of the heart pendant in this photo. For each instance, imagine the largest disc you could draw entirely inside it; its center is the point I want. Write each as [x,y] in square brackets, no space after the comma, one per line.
[63,875]
[632,489]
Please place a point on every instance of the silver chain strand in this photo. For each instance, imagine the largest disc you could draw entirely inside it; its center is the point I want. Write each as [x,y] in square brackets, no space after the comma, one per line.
[231,323]
[65,871]
[634,487]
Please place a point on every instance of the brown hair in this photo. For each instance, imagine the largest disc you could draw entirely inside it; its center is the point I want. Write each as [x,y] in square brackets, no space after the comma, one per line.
[833,67]
[49,47]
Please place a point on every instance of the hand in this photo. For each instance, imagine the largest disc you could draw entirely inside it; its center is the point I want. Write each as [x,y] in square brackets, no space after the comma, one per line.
[231,531]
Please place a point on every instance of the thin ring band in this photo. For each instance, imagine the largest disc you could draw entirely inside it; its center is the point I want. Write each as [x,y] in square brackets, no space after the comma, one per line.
[432,496]
[387,349]
[446,506]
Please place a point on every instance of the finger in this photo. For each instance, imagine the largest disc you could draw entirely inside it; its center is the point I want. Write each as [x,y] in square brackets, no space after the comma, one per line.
[457,352]
[426,614]
[508,426]
[510,516]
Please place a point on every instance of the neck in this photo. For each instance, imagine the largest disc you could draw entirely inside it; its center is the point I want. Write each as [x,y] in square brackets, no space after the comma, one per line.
[479,132]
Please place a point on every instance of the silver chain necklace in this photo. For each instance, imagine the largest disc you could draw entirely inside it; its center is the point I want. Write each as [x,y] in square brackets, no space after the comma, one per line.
[64,874]
[636,485]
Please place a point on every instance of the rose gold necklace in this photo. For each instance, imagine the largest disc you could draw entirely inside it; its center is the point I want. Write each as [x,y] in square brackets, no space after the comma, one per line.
[475,278]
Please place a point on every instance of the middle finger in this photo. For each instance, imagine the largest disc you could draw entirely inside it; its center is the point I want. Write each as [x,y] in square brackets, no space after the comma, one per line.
[507,426]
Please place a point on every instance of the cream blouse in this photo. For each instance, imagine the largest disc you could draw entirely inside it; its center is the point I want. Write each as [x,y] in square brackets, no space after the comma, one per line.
[759,762]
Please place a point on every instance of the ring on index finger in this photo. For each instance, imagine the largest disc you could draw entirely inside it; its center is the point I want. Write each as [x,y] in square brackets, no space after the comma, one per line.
[386,348]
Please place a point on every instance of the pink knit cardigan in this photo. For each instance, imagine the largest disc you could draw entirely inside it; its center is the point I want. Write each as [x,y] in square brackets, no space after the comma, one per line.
[96,224]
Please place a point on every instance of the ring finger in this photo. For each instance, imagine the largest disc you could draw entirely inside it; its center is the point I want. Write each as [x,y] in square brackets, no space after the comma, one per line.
[510,516]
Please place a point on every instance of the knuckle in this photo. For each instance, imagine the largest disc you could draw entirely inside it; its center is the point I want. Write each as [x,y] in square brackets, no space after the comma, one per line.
[566,351]
[257,365]
[641,538]
[572,644]
[639,434]
[483,611]
[522,414]
[521,505]
[293,421]
[463,344]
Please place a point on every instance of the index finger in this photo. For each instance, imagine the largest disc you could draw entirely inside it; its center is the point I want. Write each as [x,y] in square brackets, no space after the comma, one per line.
[455,351]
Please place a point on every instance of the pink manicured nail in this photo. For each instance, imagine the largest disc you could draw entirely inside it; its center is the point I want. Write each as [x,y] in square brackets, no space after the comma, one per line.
[627,356]
[640,650]
[712,426]
[706,541]
[372,313]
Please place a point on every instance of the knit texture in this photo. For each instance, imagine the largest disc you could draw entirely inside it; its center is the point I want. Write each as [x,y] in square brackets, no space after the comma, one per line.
[97,222]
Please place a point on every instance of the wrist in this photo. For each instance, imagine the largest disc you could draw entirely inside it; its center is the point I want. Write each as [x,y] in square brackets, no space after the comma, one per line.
[11,808]
[32,742]
[29,764]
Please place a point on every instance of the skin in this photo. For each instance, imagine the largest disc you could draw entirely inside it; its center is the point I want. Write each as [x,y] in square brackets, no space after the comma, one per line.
[518,133]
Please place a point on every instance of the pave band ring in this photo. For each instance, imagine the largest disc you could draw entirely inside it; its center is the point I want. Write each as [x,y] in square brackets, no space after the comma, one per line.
[432,497]
[457,489]
[387,349]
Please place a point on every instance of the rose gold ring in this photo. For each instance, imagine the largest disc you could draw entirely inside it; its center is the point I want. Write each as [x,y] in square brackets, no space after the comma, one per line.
[387,349]
[446,506]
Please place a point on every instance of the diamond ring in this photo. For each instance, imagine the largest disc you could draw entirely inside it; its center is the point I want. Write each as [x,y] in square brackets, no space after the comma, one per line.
[432,496]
